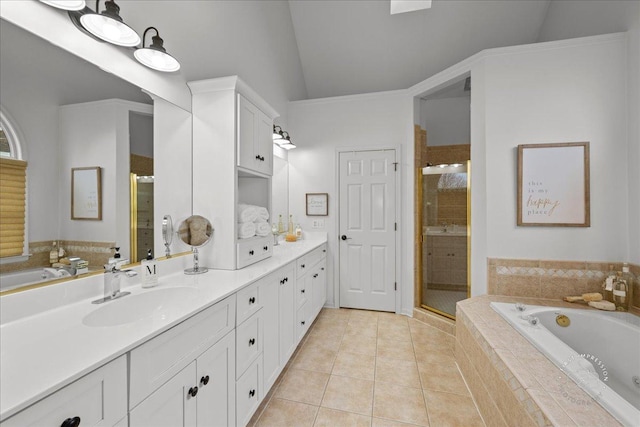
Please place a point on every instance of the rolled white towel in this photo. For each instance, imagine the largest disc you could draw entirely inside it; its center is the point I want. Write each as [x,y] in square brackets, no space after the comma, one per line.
[263,214]
[262,228]
[246,230]
[247,213]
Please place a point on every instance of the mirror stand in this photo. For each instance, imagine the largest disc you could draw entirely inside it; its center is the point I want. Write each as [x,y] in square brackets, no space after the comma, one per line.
[196,268]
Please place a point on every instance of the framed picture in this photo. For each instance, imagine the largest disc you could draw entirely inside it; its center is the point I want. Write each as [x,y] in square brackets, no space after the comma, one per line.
[86,193]
[553,185]
[317,204]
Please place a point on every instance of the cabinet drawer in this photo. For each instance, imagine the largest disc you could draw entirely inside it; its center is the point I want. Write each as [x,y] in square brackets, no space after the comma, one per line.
[249,393]
[248,301]
[250,251]
[302,320]
[248,342]
[307,261]
[156,361]
[98,398]
[303,291]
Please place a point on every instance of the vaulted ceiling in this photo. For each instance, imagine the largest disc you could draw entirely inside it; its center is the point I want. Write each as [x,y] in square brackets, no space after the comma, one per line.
[302,49]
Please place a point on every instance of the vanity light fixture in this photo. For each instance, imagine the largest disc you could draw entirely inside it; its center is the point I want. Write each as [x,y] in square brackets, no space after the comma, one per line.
[456,165]
[443,165]
[277,133]
[155,56]
[108,25]
[285,142]
[66,4]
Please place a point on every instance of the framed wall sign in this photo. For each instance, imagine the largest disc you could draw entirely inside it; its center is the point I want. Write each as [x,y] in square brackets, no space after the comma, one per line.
[553,185]
[86,193]
[317,204]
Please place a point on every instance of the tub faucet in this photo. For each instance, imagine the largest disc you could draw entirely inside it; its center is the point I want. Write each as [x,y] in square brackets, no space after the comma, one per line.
[112,276]
[56,273]
[444,227]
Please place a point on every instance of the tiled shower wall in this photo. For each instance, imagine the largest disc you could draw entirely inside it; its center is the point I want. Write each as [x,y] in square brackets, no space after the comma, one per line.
[552,279]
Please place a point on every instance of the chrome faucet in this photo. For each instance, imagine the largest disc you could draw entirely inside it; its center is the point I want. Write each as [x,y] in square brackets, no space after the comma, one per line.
[57,273]
[112,276]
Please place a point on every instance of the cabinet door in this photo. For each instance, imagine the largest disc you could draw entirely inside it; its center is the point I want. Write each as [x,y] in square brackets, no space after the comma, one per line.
[263,145]
[247,117]
[216,383]
[319,287]
[287,314]
[270,344]
[97,399]
[172,405]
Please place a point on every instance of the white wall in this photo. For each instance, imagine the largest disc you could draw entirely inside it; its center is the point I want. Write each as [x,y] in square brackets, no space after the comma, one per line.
[320,128]
[553,93]
[447,120]
[567,19]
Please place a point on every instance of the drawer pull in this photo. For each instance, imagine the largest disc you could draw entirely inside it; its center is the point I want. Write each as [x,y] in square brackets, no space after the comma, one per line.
[302,323]
[302,266]
[322,269]
[204,380]
[193,391]
[324,250]
[251,252]
[315,275]
[71,422]
[252,300]
[259,157]
[266,248]
[252,392]
[302,291]
[252,341]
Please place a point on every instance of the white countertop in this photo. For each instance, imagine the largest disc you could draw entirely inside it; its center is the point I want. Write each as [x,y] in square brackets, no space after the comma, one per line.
[42,353]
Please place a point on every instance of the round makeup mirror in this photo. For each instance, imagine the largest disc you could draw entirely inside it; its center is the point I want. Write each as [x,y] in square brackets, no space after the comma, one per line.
[195,231]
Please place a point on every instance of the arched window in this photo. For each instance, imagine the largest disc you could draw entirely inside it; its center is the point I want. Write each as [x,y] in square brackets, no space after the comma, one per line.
[13,193]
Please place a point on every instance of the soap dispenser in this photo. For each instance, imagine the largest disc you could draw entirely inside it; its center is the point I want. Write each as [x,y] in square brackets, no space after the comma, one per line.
[149,271]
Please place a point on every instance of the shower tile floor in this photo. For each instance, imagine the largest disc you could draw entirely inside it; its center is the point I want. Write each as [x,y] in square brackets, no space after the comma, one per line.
[443,300]
[366,368]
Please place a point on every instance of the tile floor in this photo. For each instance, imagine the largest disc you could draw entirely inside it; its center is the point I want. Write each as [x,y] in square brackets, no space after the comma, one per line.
[364,368]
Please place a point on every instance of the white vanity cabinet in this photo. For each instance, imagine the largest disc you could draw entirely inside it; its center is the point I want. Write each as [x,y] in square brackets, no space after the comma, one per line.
[255,141]
[232,163]
[97,399]
[311,289]
[185,376]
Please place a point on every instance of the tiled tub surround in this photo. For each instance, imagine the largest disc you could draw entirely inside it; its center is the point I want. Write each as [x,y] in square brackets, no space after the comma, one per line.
[552,279]
[512,382]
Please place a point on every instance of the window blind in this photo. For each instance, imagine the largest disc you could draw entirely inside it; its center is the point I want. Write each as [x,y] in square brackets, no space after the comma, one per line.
[13,183]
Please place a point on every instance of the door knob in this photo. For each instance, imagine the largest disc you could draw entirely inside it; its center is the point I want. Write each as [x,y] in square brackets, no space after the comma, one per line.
[344,237]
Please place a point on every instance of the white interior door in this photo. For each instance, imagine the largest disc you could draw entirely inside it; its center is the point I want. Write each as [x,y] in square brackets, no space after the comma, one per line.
[367,230]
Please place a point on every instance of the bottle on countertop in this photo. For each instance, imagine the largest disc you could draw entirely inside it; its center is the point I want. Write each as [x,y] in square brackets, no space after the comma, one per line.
[620,293]
[53,254]
[280,225]
[628,277]
[298,232]
[607,286]
[290,230]
[149,271]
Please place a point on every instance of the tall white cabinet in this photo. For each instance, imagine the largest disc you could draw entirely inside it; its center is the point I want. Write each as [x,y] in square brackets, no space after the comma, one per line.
[232,127]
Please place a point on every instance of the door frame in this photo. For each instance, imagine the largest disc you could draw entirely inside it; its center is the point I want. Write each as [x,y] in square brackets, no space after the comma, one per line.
[398,213]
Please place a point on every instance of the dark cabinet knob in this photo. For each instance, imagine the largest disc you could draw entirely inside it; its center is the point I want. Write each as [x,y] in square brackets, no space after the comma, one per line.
[252,341]
[322,269]
[302,323]
[266,248]
[204,380]
[71,422]
[302,291]
[315,275]
[251,252]
[252,300]
[324,250]
[252,392]
[258,157]
[193,391]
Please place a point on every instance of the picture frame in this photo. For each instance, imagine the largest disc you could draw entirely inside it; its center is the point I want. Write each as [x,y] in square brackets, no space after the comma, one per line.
[553,185]
[86,193]
[317,204]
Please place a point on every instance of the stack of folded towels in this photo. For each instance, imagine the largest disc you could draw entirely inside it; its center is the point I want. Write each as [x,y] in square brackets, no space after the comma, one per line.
[252,221]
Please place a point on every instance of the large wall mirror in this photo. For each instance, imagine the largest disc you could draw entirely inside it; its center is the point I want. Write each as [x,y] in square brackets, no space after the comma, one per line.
[70,114]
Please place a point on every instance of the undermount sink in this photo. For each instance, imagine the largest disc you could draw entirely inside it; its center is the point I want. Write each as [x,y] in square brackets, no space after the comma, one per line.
[157,303]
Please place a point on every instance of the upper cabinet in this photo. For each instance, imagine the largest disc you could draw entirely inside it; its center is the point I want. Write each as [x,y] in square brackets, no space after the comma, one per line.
[232,164]
[255,143]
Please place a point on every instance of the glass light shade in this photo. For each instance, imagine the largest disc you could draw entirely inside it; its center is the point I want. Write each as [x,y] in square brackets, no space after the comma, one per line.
[66,4]
[277,136]
[288,145]
[110,30]
[157,60]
